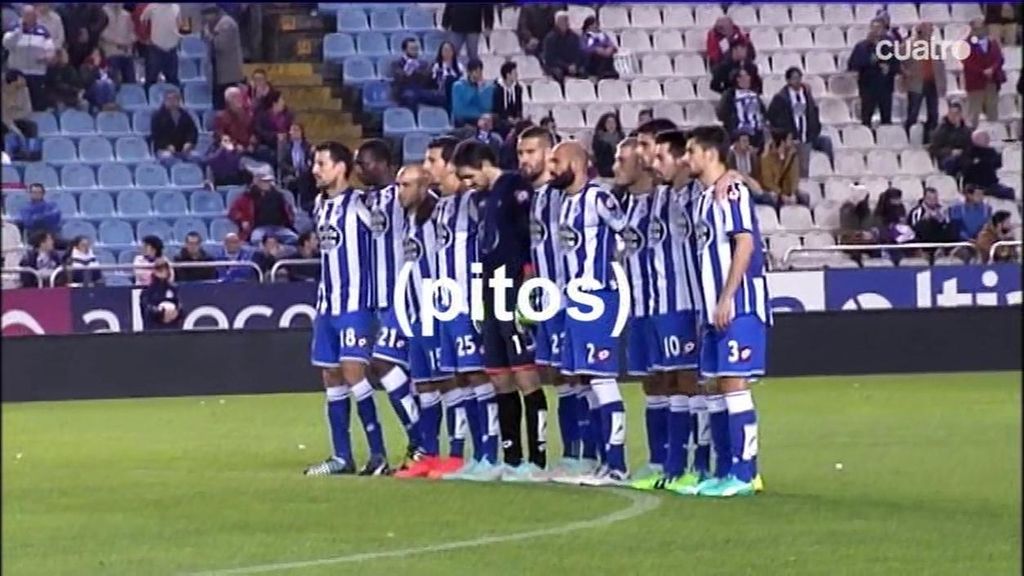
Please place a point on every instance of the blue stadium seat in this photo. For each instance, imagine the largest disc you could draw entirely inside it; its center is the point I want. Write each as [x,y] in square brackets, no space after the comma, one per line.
[398,121]
[358,70]
[154,227]
[46,123]
[338,46]
[377,95]
[208,119]
[132,97]
[38,172]
[95,150]
[207,202]
[352,20]
[170,203]
[134,204]
[182,226]
[132,149]
[114,177]
[76,122]
[95,203]
[384,67]
[231,194]
[204,143]
[77,177]
[156,93]
[432,40]
[117,279]
[151,175]
[189,71]
[127,256]
[10,174]
[74,228]
[385,20]
[199,97]
[116,233]
[433,119]
[65,201]
[193,46]
[104,256]
[113,124]
[186,175]
[417,19]
[14,201]
[372,44]
[414,147]
[60,150]
[142,121]
[220,227]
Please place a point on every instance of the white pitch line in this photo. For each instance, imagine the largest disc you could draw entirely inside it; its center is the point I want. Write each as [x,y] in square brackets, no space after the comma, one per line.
[640,504]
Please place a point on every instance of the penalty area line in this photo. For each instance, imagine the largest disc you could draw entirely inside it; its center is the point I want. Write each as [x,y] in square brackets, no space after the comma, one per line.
[639,504]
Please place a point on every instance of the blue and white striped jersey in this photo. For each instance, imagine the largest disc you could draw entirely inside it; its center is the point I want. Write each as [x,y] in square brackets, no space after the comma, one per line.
[388,223]
[637,260]
[457,221]
[343,227]
[672,251]
[420,249]
[717,220]
[544,249]
[587,226]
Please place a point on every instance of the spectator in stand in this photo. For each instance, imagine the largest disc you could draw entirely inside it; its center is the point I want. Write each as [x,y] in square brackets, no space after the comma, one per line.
[40,214]
[509,157]
[82,262]
[152,248]
[889,31]
[20,132]
[191,253]
[446,71]
[271,123]
[780,170]
[64,84]
[1003,21]
[118,41]
[536,21]
[259,87]
[269,253]
[164,38]
[236,120]
[998,229]
[263,210]
[508,97]
[743,157]
[295,166]
[161,307]
[599,50]
[52,21]
[722,37]
[739,59]
[891,223]
[644,116]
[563,51]
[983,74]
[30,48]
[548,123]
[472,97]
[100,88]
[794,110]
[43,258]
[950,139]
[83,23]
[607,136]
[173,131]
[969,217]
[464,24]
[485,133]
[979,164]
[742,109]
[875,78]
[12,249]
[413,80]
[925,82]
[143,30]
[235,251]
[224,163]
[309,249]
[221,31]
[930,220]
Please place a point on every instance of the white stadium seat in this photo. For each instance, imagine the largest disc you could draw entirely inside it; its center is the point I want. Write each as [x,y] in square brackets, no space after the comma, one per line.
[704,91]
[774,15]
[765,39]
[876,263]
[913,261]
[935,13]
[528,66]
[628,113]
[767,219]
[842,85]
[835,14]
[826,215]
[891,136]
[568,117]
[679,15]
[645,90]
[798,38]
[668,41]
[866,11]
[743,15]
[546,92]
[874,185]
[795,217]
[956,31]
[882,162]
[609,90]
[1011,58]
[1010,86]
[841,261]
[690,66]
[819,166]
[996,130]
[656,66]
[771,84]
[695,39]
[1008,107]
[508,19]
[778,244]
[784,60]
[679,89]
[839,190]
[850,163]
[595,111]
[810,14]
[917,162]
[492,65]
[965,12]
[536,111]
[579,91]
[706,14]
[816,84]
[858,136]
[1011,157]
[614,17]
[700,112]
[901,14]
[820,62]
[855,34]
[505,43]
[670,110]
[819,239]
[577,14]
[647,16]
[829,37]
[910,185]
[945,186]
[638,41]
[833,111]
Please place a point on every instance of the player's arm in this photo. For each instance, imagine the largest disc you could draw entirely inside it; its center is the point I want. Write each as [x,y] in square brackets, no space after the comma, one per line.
[737,222]
[610,211]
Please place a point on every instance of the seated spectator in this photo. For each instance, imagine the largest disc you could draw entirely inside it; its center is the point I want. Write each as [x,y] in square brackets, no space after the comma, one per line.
[950,139]
[978,166]
[508,97]
[997,229]
[235,120]
[269,253]
[117,41]
[191,253]
[563,51]
[486,134]
[607,136]
[295,166]
[472,96]
[224,163]
[971,215]
[794,110]
[742,109]
[40,215]
[983,74]
[161,307]
[739,59]
[446,71]
[548,123]
[536,21]
[29,47]
[152,248]
[172,130]
[743,157]
[644,116]
[891,223]
[272,121]
[308,249]
[235,251]
[930,220]
[780,170]
[100,88]
[82,262]
[258,88]
[12,249]
[43,258]
[20,132]
[721,38]
[63,83]
[83,24]
[263,210]
[599,50]
[413,81]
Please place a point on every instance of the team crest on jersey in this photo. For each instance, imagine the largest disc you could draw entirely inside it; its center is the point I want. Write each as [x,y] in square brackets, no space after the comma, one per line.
[379,222]
[538,232]
[613,206]
[569,238]
[412,249]
[681,225]
[655,231]
[633,239]
[329,236]
[444,235]
[703,232]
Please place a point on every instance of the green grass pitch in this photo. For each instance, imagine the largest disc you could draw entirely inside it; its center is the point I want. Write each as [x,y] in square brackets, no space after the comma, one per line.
[930,485]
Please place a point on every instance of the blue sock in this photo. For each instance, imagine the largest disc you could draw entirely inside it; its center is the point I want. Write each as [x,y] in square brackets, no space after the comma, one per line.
[656,420]
[472,412]
[742,433]
[568,421]
[399,390]
[677,457]
[583,410]
[487,404]
[613,422]
[455,418]
[701,433]
[368,416]
[338,414]
[719,418]
[430,423]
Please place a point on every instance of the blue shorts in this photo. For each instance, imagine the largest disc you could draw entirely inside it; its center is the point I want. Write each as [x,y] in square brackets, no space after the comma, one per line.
[640,350]
[425,359]
[675,345]
[344,338]
[589,349]
[391,344]
[461,346]
[548,341]
[738,352]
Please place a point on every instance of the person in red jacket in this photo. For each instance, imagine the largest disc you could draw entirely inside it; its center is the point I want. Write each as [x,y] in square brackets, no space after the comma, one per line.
[263,211]
[983,74]
[723,35]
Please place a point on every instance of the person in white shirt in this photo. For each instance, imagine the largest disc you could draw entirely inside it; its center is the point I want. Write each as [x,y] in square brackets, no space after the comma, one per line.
[30,48]
[117,41]
[162,53]
[52,21]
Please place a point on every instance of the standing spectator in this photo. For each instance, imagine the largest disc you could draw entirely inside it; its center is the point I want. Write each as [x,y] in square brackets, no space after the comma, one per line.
[983,74]
[472,96]
[51,20]
[82,263]
[221,31]
[925,82]
[465,22]
[263,210]
[607,136]
[20,132]
[969,217]
[40,215]
[43,258]
[722,37]
[143,30]
[63,83]
[536,21]
[979,164]
[29,49]
[599,50]
[192,252]
[485,133]
[117,41]
[152,248]
[268,255]
[1003,21]
[950,139]
[224,163]
[413,80]
[295,166]
[446,71]
[164,38]
[997,229]
[309,249]
[739,59]
[743,157]
[161,307]
[259,87]
[563,52]
[235,120]
[100,88]
[875,79]
[235,251]
[794,110]
[272,122]
[780,170]
[930,220]
[889,31]
[742,109]
[83,23]
[508,97]
[172,130]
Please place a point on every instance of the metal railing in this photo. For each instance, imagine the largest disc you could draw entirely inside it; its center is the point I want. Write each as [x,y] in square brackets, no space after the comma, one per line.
[869,247]
[148,266]
[22,270]
[1001,244]
[290,262]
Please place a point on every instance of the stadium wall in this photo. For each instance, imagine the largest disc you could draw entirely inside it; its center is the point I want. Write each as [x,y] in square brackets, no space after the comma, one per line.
[270,361]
